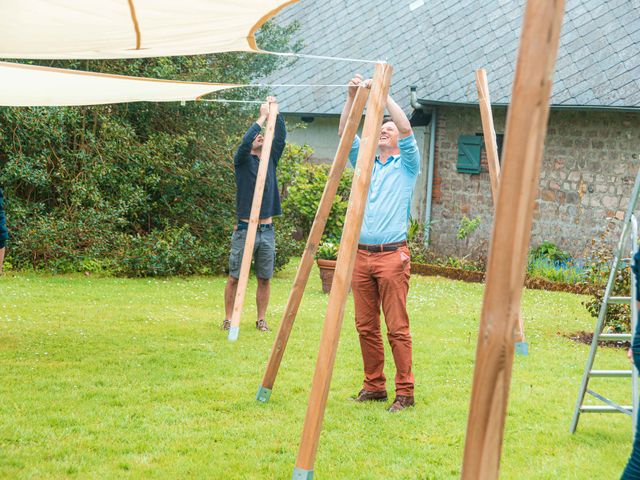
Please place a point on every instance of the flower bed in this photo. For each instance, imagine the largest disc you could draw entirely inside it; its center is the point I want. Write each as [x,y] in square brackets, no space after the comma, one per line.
[478,277]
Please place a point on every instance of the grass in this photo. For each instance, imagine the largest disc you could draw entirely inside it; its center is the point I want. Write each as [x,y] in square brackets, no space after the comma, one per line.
[131,378]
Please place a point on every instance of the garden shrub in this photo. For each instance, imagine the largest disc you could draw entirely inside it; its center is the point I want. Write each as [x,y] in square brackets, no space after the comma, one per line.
[302,185]
[597,271]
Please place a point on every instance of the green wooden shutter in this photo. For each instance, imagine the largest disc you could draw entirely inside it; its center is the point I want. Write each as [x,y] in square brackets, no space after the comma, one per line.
[469,147]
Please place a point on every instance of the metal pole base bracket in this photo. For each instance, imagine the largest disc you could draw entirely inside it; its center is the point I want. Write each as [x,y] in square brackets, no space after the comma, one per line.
[522,348]
[263,394]
[233,333]
[301,474]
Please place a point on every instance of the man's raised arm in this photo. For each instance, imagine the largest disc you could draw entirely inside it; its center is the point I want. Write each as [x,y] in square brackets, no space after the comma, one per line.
[244,150]
[399,118]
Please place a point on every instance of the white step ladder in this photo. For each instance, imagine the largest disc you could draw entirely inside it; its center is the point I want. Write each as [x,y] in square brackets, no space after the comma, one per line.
[629,234]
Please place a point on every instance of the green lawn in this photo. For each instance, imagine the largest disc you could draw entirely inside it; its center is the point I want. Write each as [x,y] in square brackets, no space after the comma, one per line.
[131,378]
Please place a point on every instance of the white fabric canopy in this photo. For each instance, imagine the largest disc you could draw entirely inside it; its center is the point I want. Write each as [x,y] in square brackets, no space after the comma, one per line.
[28,85]
[95,29]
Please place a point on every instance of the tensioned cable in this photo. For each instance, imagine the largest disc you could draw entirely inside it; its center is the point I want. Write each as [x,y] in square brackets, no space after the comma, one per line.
[295,85]
[320,57]
[264,85]
[222,100]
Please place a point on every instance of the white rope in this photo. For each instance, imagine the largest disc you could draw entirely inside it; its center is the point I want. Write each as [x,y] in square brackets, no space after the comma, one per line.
[321,57]
[222,100]
[293,85]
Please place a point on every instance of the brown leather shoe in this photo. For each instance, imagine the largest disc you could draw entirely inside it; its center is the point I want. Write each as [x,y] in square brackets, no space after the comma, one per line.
[226,325]
[262,326]
[365,396]
[400,403]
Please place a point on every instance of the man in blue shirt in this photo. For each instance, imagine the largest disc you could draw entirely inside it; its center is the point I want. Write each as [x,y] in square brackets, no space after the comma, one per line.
[382,268]
[246,162]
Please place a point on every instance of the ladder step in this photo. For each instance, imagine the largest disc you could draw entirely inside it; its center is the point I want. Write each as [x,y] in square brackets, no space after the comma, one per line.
[614,337]
[610,373]
[619,299]
[603,409]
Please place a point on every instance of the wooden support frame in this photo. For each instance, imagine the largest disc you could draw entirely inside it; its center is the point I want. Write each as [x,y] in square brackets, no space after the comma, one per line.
[490,143]
[524,144]
[342,278]
[254,218]
[308,256]
[491,147]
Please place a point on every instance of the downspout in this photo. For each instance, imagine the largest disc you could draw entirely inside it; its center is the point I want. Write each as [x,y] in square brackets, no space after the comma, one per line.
[432,149]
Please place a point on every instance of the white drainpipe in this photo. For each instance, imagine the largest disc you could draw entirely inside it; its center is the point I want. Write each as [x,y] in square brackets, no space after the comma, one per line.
[432,149]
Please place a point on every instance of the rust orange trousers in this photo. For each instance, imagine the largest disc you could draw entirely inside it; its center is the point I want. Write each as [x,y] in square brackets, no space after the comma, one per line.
[381,279]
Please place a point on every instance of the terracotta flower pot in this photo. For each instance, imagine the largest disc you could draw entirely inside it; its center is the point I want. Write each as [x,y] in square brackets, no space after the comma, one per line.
[327,269]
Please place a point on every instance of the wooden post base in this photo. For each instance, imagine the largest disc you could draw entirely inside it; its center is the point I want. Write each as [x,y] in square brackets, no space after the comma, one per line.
[263,394]
[302,474]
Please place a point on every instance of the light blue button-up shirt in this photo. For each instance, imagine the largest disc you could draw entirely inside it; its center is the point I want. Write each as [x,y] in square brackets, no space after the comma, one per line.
[386,215]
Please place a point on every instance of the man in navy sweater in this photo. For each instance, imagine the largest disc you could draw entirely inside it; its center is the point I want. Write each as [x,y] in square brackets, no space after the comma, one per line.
[246,162]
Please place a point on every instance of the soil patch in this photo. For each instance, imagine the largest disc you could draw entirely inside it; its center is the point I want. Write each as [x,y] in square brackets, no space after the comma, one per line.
[478,277]
[587,338]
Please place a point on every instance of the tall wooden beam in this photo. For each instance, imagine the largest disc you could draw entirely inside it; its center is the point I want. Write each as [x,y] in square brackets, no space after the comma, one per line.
[524,143]
[491,147]
[342,278]
[317,229]
[490,143]
[254,218]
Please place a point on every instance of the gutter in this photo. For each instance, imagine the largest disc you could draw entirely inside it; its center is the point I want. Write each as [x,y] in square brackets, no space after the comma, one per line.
[433,103]
[418,104]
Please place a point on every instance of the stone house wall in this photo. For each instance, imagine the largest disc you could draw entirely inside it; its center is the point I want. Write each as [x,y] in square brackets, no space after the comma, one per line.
[590,162]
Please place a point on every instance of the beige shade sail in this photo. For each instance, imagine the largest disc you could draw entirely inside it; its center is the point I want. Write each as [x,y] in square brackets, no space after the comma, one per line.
[100,29]
[33,86]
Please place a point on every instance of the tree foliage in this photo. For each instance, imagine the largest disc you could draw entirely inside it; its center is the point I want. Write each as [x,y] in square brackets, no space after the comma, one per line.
[137,189]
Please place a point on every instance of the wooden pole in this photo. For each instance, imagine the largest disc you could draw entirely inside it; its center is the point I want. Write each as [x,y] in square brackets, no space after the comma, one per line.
[524,143]
[317,229]
[342,278]
[489,131]
[247,255]
[491,147]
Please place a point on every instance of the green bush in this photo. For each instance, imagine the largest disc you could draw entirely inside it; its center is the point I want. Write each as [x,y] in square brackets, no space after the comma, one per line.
[550,251]
[467,227]
[550,270]
[286,244]
[328,251]
[302,185]
[597,271]
[415,241]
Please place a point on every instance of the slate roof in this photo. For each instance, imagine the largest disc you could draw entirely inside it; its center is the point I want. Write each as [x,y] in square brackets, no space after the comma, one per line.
[438,44]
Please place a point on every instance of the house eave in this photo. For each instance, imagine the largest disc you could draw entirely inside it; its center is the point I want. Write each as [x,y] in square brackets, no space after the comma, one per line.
[611,108]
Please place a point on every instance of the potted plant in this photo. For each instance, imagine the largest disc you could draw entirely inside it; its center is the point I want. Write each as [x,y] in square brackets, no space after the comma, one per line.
[326,259]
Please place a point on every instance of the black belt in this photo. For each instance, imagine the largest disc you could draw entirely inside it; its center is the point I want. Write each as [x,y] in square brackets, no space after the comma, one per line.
[262,226]
[385,247]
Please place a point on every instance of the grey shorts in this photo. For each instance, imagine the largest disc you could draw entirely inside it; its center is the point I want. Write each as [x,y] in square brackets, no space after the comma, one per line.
[264,252]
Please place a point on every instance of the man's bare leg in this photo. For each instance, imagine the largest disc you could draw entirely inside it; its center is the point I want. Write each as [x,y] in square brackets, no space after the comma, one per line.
[262,302]
[2,250]
[229,299]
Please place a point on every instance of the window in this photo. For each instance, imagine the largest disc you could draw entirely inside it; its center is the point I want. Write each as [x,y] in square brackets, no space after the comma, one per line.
[470,152]
[469,148]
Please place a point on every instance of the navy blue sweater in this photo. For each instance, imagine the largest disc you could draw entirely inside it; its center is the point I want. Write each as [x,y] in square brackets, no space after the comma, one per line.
[246,170]
[4,233]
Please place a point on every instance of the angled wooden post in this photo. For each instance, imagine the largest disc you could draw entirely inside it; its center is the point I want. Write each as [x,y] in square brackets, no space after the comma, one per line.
[254,218]
[489,131]
[342,278]
[491,147]
[524,143]
[317,229]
